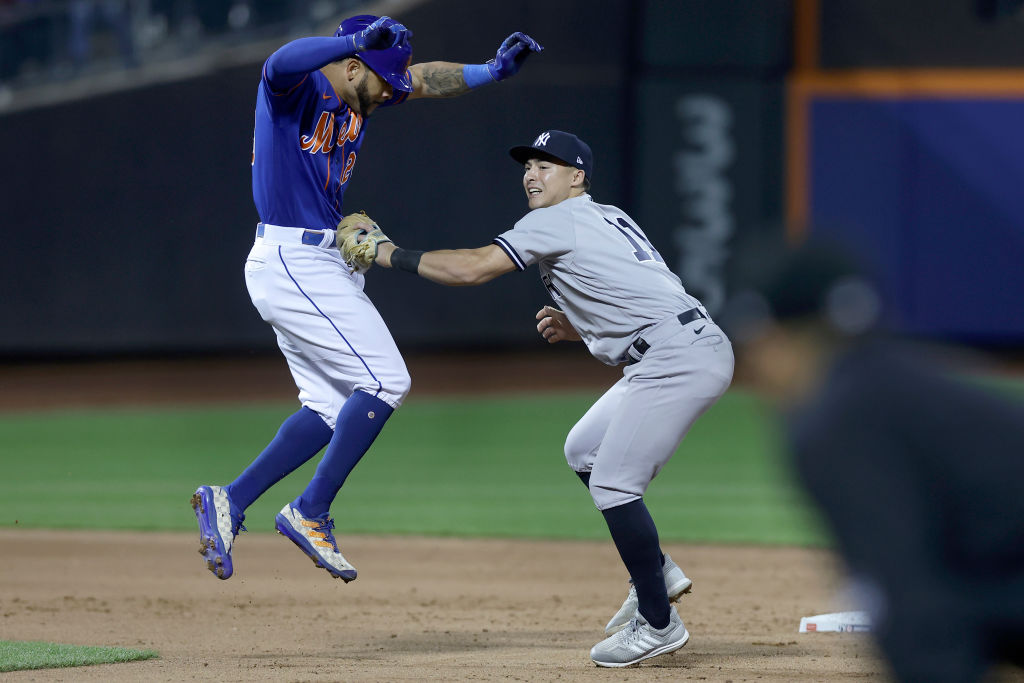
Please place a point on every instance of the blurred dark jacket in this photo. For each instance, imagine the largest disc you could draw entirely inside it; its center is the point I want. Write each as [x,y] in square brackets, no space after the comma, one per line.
[921,476]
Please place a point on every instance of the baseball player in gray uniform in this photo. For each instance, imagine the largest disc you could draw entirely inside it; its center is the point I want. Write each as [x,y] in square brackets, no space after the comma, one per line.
[614,293]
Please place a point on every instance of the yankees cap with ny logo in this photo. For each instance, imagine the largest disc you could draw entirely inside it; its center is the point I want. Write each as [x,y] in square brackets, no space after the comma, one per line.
[560,145]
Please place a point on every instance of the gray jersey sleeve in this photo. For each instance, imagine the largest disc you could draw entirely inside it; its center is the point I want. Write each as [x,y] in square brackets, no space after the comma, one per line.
[541,234]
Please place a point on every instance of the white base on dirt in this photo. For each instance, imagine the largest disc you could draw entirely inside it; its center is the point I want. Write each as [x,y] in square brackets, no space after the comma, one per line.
[841,622]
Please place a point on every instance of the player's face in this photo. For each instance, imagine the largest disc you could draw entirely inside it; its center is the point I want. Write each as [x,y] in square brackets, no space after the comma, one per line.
[371,91]
[547,182]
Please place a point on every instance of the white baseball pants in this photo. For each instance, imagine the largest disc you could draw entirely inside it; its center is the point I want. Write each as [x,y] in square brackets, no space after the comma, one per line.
[331,334]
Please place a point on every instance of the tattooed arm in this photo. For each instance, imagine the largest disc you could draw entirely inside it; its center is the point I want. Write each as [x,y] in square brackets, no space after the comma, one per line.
[447,79]
[437,79]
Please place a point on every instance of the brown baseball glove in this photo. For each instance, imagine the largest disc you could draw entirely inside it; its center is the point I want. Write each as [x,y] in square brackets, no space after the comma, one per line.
[358,237]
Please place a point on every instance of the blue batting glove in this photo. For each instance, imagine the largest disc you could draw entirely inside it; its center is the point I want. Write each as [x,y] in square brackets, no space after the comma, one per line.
[382,34]
[511,55]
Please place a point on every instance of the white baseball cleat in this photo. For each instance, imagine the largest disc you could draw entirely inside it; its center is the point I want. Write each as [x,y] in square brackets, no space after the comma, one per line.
[315,538]
[639,641]
[676,584]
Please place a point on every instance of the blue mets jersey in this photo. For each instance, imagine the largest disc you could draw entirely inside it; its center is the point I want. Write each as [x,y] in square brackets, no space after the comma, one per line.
[305,145]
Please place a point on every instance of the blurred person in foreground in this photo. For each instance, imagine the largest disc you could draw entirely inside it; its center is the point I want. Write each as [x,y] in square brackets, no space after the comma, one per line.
[919,473]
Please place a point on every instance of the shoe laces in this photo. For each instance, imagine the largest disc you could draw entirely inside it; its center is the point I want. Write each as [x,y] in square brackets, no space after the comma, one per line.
[237,517]
[324,525]
[632,632]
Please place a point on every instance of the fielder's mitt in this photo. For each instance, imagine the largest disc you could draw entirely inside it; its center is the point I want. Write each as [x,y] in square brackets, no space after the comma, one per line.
[357,238]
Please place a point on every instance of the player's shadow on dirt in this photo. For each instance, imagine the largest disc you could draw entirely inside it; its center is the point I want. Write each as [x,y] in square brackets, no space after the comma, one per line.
[453,641]
[432,641]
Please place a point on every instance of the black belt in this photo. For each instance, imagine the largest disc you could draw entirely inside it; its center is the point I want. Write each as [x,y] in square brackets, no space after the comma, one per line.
[638,348]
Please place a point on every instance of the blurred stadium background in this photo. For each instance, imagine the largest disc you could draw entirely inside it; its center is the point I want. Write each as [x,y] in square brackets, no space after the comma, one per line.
[126,129]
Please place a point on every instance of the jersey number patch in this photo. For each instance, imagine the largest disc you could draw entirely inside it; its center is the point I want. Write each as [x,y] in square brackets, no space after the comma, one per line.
[642,249]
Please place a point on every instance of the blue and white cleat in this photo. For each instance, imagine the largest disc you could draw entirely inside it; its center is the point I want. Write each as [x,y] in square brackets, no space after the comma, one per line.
[315,538]
[219,523]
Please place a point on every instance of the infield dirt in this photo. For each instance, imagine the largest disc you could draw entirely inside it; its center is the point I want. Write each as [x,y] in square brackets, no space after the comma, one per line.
[421,609]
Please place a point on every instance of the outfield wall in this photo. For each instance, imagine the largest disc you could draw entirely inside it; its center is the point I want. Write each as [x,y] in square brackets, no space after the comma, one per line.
[904,142]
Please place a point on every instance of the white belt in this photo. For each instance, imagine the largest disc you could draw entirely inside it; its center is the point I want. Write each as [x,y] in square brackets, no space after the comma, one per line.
[281,234]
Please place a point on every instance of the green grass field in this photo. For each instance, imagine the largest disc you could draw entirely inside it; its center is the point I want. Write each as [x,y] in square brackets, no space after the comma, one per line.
[462,467]
[18,656]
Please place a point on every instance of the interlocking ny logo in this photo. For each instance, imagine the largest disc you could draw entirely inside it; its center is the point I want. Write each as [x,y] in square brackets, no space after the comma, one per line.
[542,140]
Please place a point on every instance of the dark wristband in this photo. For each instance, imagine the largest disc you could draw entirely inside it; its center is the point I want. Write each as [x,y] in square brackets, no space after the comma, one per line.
[406,259]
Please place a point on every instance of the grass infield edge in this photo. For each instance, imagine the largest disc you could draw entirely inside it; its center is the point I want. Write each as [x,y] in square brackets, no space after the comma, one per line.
[16,655]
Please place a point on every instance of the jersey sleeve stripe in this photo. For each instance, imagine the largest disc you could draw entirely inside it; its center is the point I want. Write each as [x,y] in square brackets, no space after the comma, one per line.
[512,254]
[286,92]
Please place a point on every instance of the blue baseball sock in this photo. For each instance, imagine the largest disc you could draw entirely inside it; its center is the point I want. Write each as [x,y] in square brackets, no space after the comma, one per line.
[636,539]
[300,437]
[360,421]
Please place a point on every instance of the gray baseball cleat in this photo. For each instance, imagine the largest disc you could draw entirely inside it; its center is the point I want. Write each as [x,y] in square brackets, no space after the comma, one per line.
[639,641]
[676,584]
[315,537]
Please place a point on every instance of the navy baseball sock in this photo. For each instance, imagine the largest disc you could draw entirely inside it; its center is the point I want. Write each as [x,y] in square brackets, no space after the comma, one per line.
[360,421]
[300,437]
[636,539]
[585,478]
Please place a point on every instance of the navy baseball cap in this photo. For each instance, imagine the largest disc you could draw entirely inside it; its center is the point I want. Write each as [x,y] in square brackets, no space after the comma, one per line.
[391,64]
[560,145]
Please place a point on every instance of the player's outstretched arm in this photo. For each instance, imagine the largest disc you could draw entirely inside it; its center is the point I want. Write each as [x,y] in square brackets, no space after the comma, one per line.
[290,64]
[447,79]
[453,267]
[437,79]
[555,326]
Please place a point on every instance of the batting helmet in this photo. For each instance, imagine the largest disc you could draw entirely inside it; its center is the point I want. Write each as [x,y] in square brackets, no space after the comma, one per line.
[391,64]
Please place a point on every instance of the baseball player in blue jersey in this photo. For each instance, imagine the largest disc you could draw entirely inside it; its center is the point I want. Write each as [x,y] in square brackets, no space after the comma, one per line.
[616,295]
[312,107]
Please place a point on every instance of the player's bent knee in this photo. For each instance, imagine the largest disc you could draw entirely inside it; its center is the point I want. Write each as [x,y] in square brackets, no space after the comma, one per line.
[400,387]
[605,497]
[578,452]
[395,390]
[573,460]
